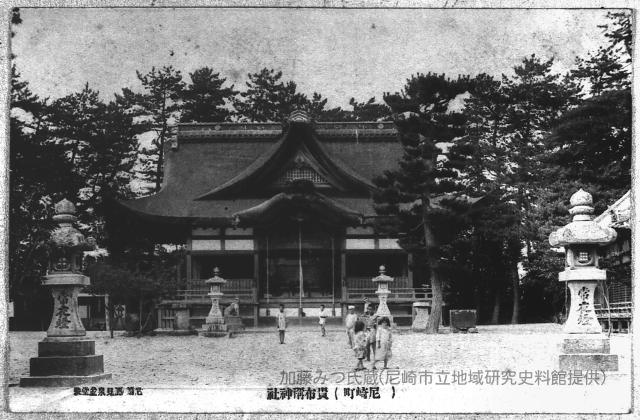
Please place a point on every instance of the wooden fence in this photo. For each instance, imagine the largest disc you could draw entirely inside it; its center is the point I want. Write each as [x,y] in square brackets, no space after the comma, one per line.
[198,289]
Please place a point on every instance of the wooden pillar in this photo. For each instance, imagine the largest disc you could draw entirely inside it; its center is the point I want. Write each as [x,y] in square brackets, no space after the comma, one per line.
[106,313]
[343,276]
[188,262]
[255,295]
[410,269]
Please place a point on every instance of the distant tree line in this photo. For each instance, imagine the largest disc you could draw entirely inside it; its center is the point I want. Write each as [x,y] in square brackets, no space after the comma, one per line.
[522,142]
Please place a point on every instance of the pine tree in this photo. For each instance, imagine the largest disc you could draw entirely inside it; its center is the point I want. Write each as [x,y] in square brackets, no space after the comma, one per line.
[591,143]
[40,174]
[269,99]
[100,144]
[537,98]
[369,110]
[205,99]
[481,156]
[415,195]
[590,146]
[160,104]
[610,66]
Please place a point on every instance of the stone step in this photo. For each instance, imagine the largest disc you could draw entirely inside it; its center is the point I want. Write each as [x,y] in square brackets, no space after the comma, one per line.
[598,345]
[65,381]
[585,361]
[66,365]
[66,348]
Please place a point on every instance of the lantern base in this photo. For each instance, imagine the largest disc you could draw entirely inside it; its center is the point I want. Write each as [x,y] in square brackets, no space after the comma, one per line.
[234,323]
[587,353]
[214,327]
[62,381]
[63,363]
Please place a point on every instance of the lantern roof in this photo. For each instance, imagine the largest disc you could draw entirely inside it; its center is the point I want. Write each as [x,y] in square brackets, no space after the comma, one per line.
[216,279]
[582,230]
[382,278]
[66,236]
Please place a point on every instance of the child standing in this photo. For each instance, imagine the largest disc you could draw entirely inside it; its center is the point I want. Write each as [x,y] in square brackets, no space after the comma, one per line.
[383,342]
[371,336]
[360,344]
[324,314]
[349,323]
[281,323]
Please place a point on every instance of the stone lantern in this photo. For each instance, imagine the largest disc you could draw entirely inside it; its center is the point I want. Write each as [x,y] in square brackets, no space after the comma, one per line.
[214,325]
[383,281]
[581,239]
[65,356]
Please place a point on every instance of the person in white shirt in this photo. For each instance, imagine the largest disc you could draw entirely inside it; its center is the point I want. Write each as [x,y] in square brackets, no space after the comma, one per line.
[281,323]
[350,323]
[324,314]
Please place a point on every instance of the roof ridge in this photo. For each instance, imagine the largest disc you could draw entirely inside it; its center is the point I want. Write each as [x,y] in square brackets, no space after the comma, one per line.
[612,207]
[285,148]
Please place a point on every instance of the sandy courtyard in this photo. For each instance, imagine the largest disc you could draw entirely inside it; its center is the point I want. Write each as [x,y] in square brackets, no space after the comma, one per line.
[192,374]
[258,358]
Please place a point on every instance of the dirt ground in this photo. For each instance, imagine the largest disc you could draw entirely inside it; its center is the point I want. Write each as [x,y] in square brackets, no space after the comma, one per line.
[257,358]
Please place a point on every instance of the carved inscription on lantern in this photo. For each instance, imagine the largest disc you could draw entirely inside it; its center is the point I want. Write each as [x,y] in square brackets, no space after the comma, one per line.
[583,306]
[63,313]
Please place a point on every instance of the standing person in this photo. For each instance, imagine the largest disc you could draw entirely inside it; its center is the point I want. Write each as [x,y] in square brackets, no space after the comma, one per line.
[371,334]
[281,323]
[383,342]
[360,343]
[324,314]
[350,323]
[367,305]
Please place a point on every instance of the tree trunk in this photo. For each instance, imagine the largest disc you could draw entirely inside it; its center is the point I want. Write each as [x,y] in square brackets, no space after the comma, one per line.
[432,260]
[435,317]
[495,316]
[111,311]
[515,281]
[477,302]
[140,315]
[160,164]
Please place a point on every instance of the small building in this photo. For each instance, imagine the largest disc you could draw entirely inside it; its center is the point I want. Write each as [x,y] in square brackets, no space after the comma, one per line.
[284,210]
[615,304]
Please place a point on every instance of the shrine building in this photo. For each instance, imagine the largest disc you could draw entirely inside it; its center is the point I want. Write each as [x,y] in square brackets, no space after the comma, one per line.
[284,210]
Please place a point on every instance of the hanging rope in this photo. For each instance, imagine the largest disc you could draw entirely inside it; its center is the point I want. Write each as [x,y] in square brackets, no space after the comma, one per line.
[300,271]
[268,275]
[333,278]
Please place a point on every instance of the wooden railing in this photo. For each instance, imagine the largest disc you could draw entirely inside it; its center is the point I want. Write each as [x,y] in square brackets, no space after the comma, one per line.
[618,314]
[408,293]
[620,310]
[198,289]
[201,294]
[166,317]
[357,288]
[366,283]
[231,284]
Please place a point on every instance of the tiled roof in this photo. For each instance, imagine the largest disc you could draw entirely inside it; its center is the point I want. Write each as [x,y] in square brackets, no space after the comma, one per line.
[618,215]
[205,157]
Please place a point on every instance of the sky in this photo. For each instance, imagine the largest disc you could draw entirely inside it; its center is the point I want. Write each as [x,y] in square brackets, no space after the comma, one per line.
[340,53]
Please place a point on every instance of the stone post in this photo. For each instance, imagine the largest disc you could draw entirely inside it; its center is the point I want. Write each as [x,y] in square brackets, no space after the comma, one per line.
[383,281]
[421,318]
[214,325]
[587,348]
[65,356]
